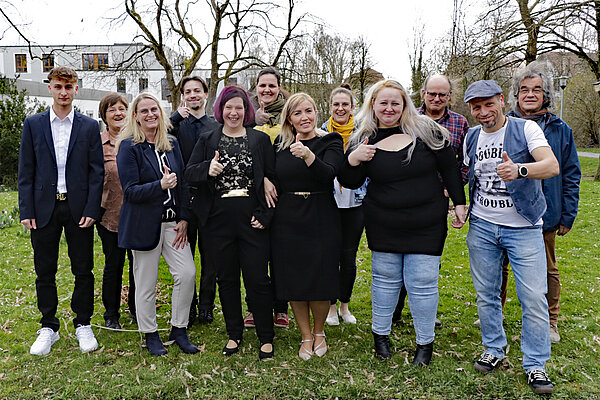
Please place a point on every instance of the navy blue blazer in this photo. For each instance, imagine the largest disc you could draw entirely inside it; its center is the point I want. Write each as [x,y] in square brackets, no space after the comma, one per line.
[143,197]
[38,173]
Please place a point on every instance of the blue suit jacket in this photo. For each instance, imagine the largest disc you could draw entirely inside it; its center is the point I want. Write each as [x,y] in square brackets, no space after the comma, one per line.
[140,175]
[38,173]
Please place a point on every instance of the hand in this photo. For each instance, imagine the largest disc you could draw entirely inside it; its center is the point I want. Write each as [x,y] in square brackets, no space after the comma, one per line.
[261,117]
[562,230]
[255,224]
[169,180]
[299,150]
[270,192]
[364,152]
[215,167]
[508,171]
[86,222]
[183,110]
[181,239]
[461,216]
[29,223]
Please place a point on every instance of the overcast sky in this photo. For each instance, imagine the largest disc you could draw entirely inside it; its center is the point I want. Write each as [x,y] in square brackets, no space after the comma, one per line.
[387,24]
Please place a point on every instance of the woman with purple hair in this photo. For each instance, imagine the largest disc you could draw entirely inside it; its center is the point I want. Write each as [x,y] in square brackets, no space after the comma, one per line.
[225,173]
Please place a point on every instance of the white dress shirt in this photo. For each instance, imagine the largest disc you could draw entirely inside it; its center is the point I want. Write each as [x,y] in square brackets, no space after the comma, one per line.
[61,133]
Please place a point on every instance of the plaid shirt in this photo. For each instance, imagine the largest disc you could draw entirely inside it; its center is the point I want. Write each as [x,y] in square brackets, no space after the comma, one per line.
[458,127]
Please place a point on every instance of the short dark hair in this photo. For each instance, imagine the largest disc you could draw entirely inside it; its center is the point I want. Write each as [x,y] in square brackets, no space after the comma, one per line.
[193,78]
[65,73]
[269,71]
[228,93]
[110,100]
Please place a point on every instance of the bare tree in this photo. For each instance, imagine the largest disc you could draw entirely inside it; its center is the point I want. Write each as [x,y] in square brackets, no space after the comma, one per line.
[169,31]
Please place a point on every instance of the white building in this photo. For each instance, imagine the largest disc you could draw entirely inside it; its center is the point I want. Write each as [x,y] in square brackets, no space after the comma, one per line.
[101,69]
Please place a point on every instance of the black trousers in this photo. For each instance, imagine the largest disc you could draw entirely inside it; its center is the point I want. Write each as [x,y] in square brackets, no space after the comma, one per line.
[353,223]
[131,294]
[231,244]
[112,279]
[205,299]
[45,242]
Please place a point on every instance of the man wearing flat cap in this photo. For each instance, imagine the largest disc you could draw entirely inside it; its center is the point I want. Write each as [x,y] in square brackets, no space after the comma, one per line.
[507,159]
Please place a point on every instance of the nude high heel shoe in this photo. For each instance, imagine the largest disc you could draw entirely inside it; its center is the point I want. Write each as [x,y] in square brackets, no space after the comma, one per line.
[303,353]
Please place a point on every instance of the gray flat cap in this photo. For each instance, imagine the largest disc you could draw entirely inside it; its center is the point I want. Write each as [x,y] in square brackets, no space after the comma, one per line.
[482,89]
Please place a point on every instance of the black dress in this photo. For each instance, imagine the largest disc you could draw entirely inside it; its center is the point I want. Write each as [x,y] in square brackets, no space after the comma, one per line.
[305,231]
[405,207]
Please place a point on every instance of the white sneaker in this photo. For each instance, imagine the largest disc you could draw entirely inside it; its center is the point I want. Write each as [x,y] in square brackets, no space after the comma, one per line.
[87,341]
[332,320]
[554,335]
[43,344]
[348,318]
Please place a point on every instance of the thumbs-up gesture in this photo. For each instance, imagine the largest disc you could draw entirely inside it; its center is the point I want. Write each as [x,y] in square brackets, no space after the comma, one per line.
[364,152]
[508,171]
[261,117]
[183,109]
[299,150]
[215,167]
[169,180]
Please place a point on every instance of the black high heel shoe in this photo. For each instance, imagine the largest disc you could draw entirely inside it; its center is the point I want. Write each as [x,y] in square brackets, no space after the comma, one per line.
[228,351]
[423,354]
[266,355]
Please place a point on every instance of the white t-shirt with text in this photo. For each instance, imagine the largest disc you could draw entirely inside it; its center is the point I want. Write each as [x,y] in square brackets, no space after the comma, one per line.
[491,200]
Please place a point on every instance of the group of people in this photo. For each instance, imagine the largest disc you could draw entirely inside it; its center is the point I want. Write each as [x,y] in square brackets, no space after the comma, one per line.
[267,194]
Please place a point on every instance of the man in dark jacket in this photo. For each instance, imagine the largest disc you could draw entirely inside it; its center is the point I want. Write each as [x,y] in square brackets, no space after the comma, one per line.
[532,96]
[61,174]
[189,122]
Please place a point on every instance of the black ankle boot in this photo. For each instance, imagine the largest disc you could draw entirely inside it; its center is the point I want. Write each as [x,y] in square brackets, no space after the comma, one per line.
[154,344]
[423,354]
[382,346]
[179,335]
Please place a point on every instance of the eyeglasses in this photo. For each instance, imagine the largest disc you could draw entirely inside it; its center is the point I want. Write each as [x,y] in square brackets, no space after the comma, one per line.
[536,90]
[433,95]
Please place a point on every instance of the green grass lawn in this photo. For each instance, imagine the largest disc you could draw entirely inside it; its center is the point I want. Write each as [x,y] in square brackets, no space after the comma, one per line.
[122,369]
[590,149]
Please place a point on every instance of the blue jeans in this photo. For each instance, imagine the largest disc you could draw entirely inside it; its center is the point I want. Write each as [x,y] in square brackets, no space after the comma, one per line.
[525,248]
[419,273]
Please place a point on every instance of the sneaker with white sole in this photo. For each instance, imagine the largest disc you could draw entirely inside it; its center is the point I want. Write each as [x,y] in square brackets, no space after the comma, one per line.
[332,320]
[554,335]
[43,344]
[487,363]
[539,381]
[86,338]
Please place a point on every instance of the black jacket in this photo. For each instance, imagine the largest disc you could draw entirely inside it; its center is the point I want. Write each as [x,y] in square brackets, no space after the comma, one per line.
[202,185]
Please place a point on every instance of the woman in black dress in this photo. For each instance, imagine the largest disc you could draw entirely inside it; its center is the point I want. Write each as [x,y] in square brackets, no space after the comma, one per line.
[305,234]
[403,154]
[226,171]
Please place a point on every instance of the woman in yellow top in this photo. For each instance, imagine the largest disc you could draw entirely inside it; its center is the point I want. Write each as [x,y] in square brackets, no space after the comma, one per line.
[269,101]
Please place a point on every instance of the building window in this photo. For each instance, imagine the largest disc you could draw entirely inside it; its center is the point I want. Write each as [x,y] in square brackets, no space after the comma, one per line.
[232,81]
[47,62]
[20,62]
[95,61]
[121,85]
[164,89]
[80,83]
[143,84]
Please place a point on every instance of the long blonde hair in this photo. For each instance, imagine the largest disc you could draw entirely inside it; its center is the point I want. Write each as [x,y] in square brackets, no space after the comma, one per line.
[288,132]
[132,129]
[411,122]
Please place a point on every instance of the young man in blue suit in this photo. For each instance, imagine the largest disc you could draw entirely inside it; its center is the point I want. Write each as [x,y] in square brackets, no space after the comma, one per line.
[61,173]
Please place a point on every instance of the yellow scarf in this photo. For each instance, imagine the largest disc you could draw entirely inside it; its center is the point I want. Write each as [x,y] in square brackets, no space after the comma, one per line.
[344,130]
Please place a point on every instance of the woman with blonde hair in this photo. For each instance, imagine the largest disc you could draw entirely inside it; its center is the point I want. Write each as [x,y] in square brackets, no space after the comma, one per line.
[305,232]
[153,220]
[405,209]
[349,203]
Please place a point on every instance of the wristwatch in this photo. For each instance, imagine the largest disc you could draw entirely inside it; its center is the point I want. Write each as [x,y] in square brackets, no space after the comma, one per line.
[522,170]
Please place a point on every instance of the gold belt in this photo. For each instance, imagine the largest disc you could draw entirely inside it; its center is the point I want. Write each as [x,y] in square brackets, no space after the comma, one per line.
[235,193]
